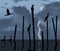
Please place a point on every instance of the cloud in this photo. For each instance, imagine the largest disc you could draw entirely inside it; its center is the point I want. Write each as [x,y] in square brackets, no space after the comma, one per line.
[54,10]
[41,8]
[7,25]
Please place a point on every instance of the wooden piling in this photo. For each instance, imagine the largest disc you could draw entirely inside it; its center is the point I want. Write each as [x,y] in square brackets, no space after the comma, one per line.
[23,30]
[15,32]
[47,33]
[23,33]
[28,30]
[32,11]
[46,20]
[55,29]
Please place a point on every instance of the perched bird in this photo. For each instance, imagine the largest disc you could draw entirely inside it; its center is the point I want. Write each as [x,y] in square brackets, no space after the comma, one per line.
[46,18]
[8,13]
[32,8]
[29,27]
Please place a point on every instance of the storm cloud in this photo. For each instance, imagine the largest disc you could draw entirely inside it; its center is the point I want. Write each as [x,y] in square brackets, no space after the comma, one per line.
[54,10]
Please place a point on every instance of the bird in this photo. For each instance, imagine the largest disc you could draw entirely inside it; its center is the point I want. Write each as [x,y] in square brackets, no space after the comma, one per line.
[29,27]
[8,12]
[32,8]
[46,18]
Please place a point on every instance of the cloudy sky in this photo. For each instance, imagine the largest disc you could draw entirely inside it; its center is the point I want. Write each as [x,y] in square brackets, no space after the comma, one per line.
[23,7]
[38,4]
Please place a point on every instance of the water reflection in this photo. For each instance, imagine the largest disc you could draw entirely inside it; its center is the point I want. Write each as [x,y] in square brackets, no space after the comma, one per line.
[55,48]
[24,46]
[14,45]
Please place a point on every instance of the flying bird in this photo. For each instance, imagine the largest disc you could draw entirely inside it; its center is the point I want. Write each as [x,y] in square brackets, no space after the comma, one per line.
[29,27]
[46,18]
[8,12]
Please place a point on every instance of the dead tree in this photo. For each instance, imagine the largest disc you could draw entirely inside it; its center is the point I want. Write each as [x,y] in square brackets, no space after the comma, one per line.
[15,32]
[32,11]
[28,30]
[55,29]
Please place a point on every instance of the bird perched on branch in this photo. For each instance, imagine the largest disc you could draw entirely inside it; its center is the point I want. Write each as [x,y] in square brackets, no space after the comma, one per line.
[46,18]
[8,12]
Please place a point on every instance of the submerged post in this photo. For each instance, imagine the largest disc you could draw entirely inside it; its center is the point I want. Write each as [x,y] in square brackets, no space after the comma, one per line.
[32,11]
[15,32]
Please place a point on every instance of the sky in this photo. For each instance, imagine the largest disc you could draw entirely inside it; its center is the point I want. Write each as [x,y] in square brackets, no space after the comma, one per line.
[39,4]
[7,22]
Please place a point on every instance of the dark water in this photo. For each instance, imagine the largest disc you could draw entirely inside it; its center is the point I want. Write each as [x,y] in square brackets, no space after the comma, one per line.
[18,45]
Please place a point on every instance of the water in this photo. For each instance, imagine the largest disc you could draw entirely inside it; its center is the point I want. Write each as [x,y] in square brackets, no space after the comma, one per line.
[18,45]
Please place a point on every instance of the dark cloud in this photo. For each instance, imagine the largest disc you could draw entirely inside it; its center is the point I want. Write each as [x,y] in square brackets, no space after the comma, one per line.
[17,18]
[22,11]
[54,10]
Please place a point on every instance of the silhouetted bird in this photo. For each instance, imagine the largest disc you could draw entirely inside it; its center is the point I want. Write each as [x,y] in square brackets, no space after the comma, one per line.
[29,27]
[8,13]
[32,8]
[46,18]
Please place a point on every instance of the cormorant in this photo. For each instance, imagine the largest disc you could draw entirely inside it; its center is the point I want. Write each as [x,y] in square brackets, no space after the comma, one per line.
[8,12]
[46,18]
